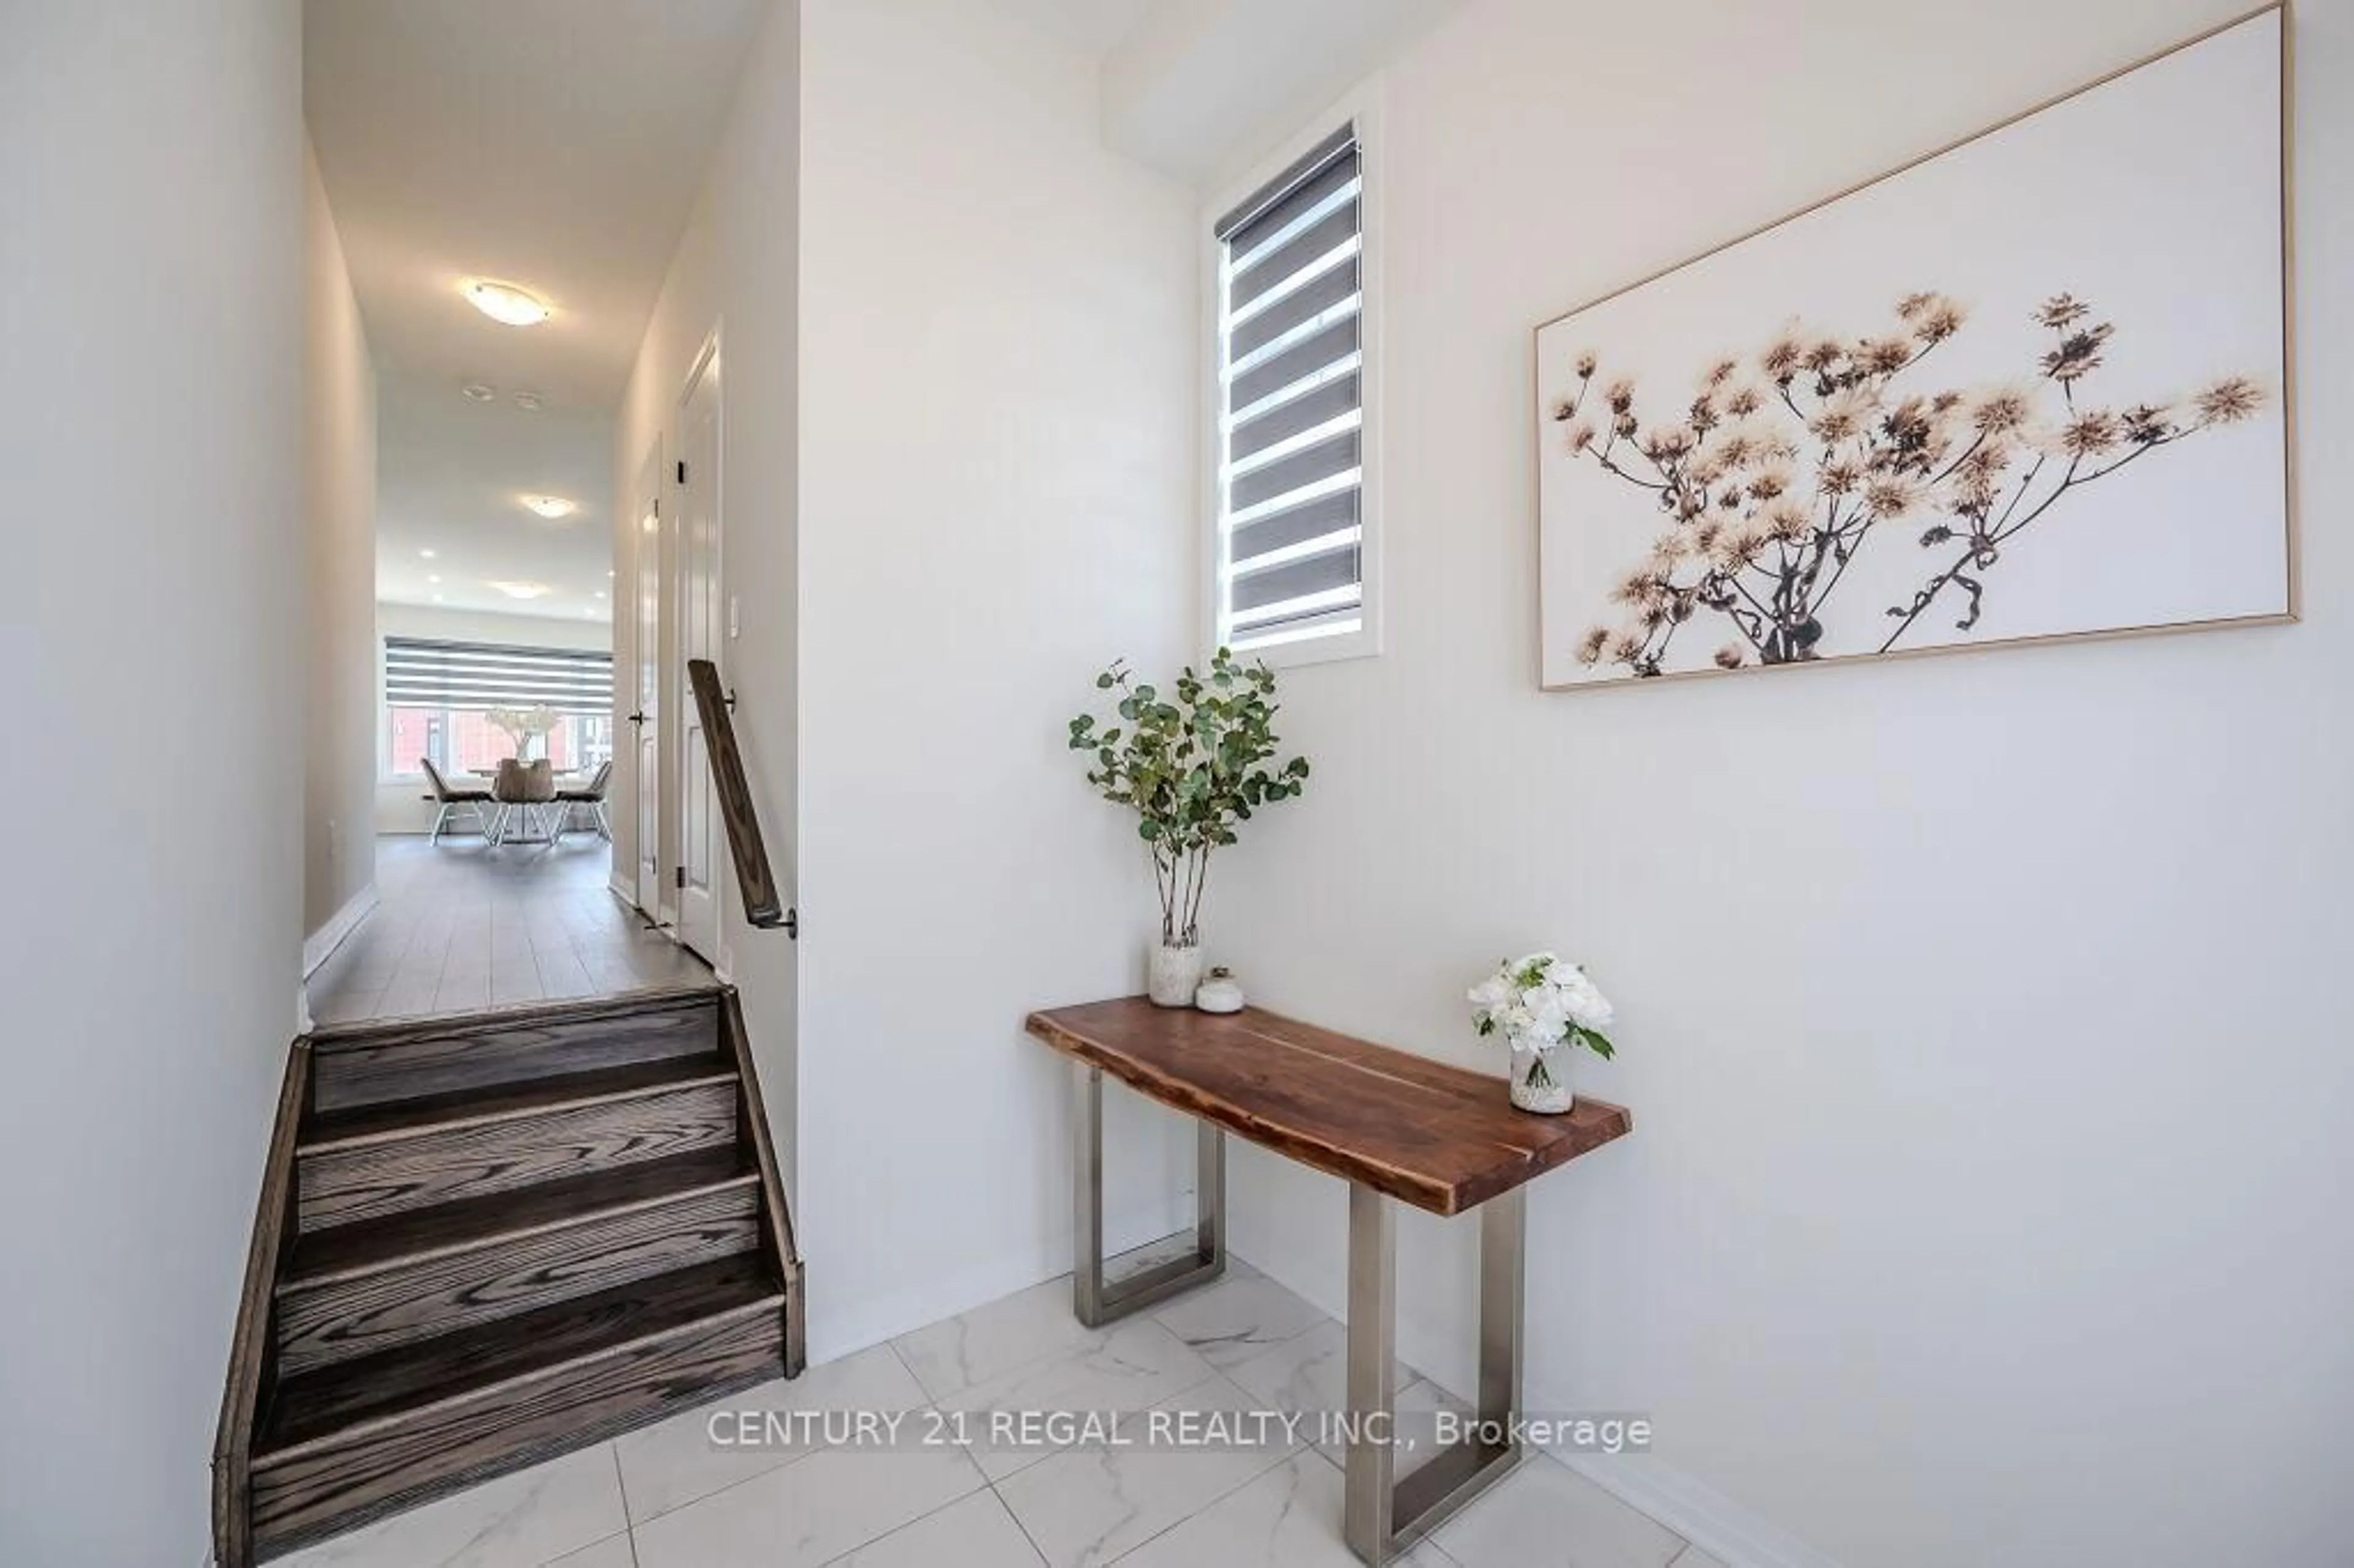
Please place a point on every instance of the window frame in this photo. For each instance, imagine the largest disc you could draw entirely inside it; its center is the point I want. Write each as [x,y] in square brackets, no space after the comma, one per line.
[394,770]
[1361,108]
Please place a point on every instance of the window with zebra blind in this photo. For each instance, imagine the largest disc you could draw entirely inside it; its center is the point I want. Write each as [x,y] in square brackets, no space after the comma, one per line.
[1295,539]
[440,699]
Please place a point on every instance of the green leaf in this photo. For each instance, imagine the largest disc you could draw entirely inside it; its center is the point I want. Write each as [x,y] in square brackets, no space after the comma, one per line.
[1599,1043]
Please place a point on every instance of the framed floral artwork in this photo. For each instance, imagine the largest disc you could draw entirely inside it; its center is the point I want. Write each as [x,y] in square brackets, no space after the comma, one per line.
[2035,386]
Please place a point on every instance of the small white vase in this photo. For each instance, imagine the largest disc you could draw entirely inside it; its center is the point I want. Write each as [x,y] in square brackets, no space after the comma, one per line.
[1176,974]
[1540,1078]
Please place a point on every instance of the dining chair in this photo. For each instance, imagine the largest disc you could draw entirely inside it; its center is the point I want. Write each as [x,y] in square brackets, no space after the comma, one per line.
[592,796]
[455,800]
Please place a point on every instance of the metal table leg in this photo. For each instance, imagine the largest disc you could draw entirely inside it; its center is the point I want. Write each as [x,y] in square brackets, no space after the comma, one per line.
[1095,1301]
[1381,1516]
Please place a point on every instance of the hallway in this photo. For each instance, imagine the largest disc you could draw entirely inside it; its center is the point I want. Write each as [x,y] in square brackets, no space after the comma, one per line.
[464,926]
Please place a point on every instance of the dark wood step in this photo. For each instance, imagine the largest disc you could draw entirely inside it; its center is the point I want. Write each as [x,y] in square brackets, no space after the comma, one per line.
[373,1244]
[365,1287]
[355,1440]
[370,1064]
[385,1160]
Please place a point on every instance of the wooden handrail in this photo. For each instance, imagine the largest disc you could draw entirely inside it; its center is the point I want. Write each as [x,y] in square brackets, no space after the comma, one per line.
[764,907]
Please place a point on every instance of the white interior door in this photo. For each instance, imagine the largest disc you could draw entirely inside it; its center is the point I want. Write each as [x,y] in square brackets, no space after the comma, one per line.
[647,719]
[701,850]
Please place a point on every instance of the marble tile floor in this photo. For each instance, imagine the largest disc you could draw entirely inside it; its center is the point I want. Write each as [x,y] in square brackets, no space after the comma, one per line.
[463,925]
[816,1490]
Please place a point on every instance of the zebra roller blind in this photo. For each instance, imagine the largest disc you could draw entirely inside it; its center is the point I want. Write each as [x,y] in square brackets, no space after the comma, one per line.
[422,673]
[1291,476]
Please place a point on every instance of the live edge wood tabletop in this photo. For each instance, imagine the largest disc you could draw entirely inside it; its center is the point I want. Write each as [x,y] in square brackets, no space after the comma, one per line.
[1438,1137]
[1393,1125]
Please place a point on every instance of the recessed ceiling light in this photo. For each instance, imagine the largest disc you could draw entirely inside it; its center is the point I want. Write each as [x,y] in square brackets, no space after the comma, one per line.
[529,402]
[479,391]
[600,593]
[436,598]
[425,554]
[524,590]
[551,506]
[505,302]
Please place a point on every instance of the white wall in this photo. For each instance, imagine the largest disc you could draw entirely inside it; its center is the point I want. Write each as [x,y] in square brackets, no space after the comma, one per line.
[339,573]
[151,393]
[400,806]
[1985,1201]
[997,447]
[734,269]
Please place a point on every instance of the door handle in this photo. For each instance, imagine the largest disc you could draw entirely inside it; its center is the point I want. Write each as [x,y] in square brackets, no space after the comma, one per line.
[637,719]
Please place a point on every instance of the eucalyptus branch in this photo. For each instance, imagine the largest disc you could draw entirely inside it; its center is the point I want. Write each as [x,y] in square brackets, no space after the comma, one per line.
[1191,770]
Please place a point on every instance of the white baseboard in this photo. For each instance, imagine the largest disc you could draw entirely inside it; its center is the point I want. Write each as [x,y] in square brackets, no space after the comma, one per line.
[626,892]
[1701,1514]
[872,1323]
[1697,1512]
[321,944]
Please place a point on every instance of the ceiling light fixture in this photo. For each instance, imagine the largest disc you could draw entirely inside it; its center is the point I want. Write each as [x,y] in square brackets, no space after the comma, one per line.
[529,402]
[480,392]
[505,302]
[428,554]
[551,506]
[524,590]
[433,576]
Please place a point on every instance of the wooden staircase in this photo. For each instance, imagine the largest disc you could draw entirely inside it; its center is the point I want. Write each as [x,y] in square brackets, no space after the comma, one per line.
[488,1239]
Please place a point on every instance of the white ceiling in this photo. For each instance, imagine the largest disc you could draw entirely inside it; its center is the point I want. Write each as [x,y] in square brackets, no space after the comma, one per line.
[1200,87]
[555,143]
[1093,25]
[451,478]
[559,145]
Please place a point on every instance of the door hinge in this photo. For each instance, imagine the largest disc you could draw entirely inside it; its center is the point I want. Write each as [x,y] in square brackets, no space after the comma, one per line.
[678,876]
[793,924]
[682,470]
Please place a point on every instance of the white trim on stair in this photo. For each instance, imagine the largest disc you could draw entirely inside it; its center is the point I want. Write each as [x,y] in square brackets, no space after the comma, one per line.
[321,944]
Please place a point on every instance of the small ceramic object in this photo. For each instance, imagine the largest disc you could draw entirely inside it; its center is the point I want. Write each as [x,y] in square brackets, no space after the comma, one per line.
[1219,993]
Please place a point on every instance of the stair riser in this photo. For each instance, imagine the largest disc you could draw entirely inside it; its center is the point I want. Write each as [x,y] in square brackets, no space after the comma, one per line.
[410,1066]
[339,1185]
[321,1491]
[338,1320]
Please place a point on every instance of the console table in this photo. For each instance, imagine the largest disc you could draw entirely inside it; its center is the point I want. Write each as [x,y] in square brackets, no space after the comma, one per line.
[1398,1128]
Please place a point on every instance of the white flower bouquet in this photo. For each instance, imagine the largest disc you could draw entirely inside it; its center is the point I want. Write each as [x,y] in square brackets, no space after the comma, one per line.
[1541,1003]
[524,726]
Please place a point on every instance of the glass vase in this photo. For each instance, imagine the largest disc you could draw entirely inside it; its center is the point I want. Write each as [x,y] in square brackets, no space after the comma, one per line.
[1540,1078]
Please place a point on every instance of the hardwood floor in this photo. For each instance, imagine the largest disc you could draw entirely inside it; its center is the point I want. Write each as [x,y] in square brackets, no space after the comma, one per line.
[460,926]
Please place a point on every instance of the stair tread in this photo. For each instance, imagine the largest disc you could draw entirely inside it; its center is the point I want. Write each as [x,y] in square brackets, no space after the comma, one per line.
[335,1398]
[327,1038]
[368,1246]
[398,1117]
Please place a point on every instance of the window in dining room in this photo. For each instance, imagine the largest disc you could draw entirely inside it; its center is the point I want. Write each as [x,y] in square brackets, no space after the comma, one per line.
[441,698]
